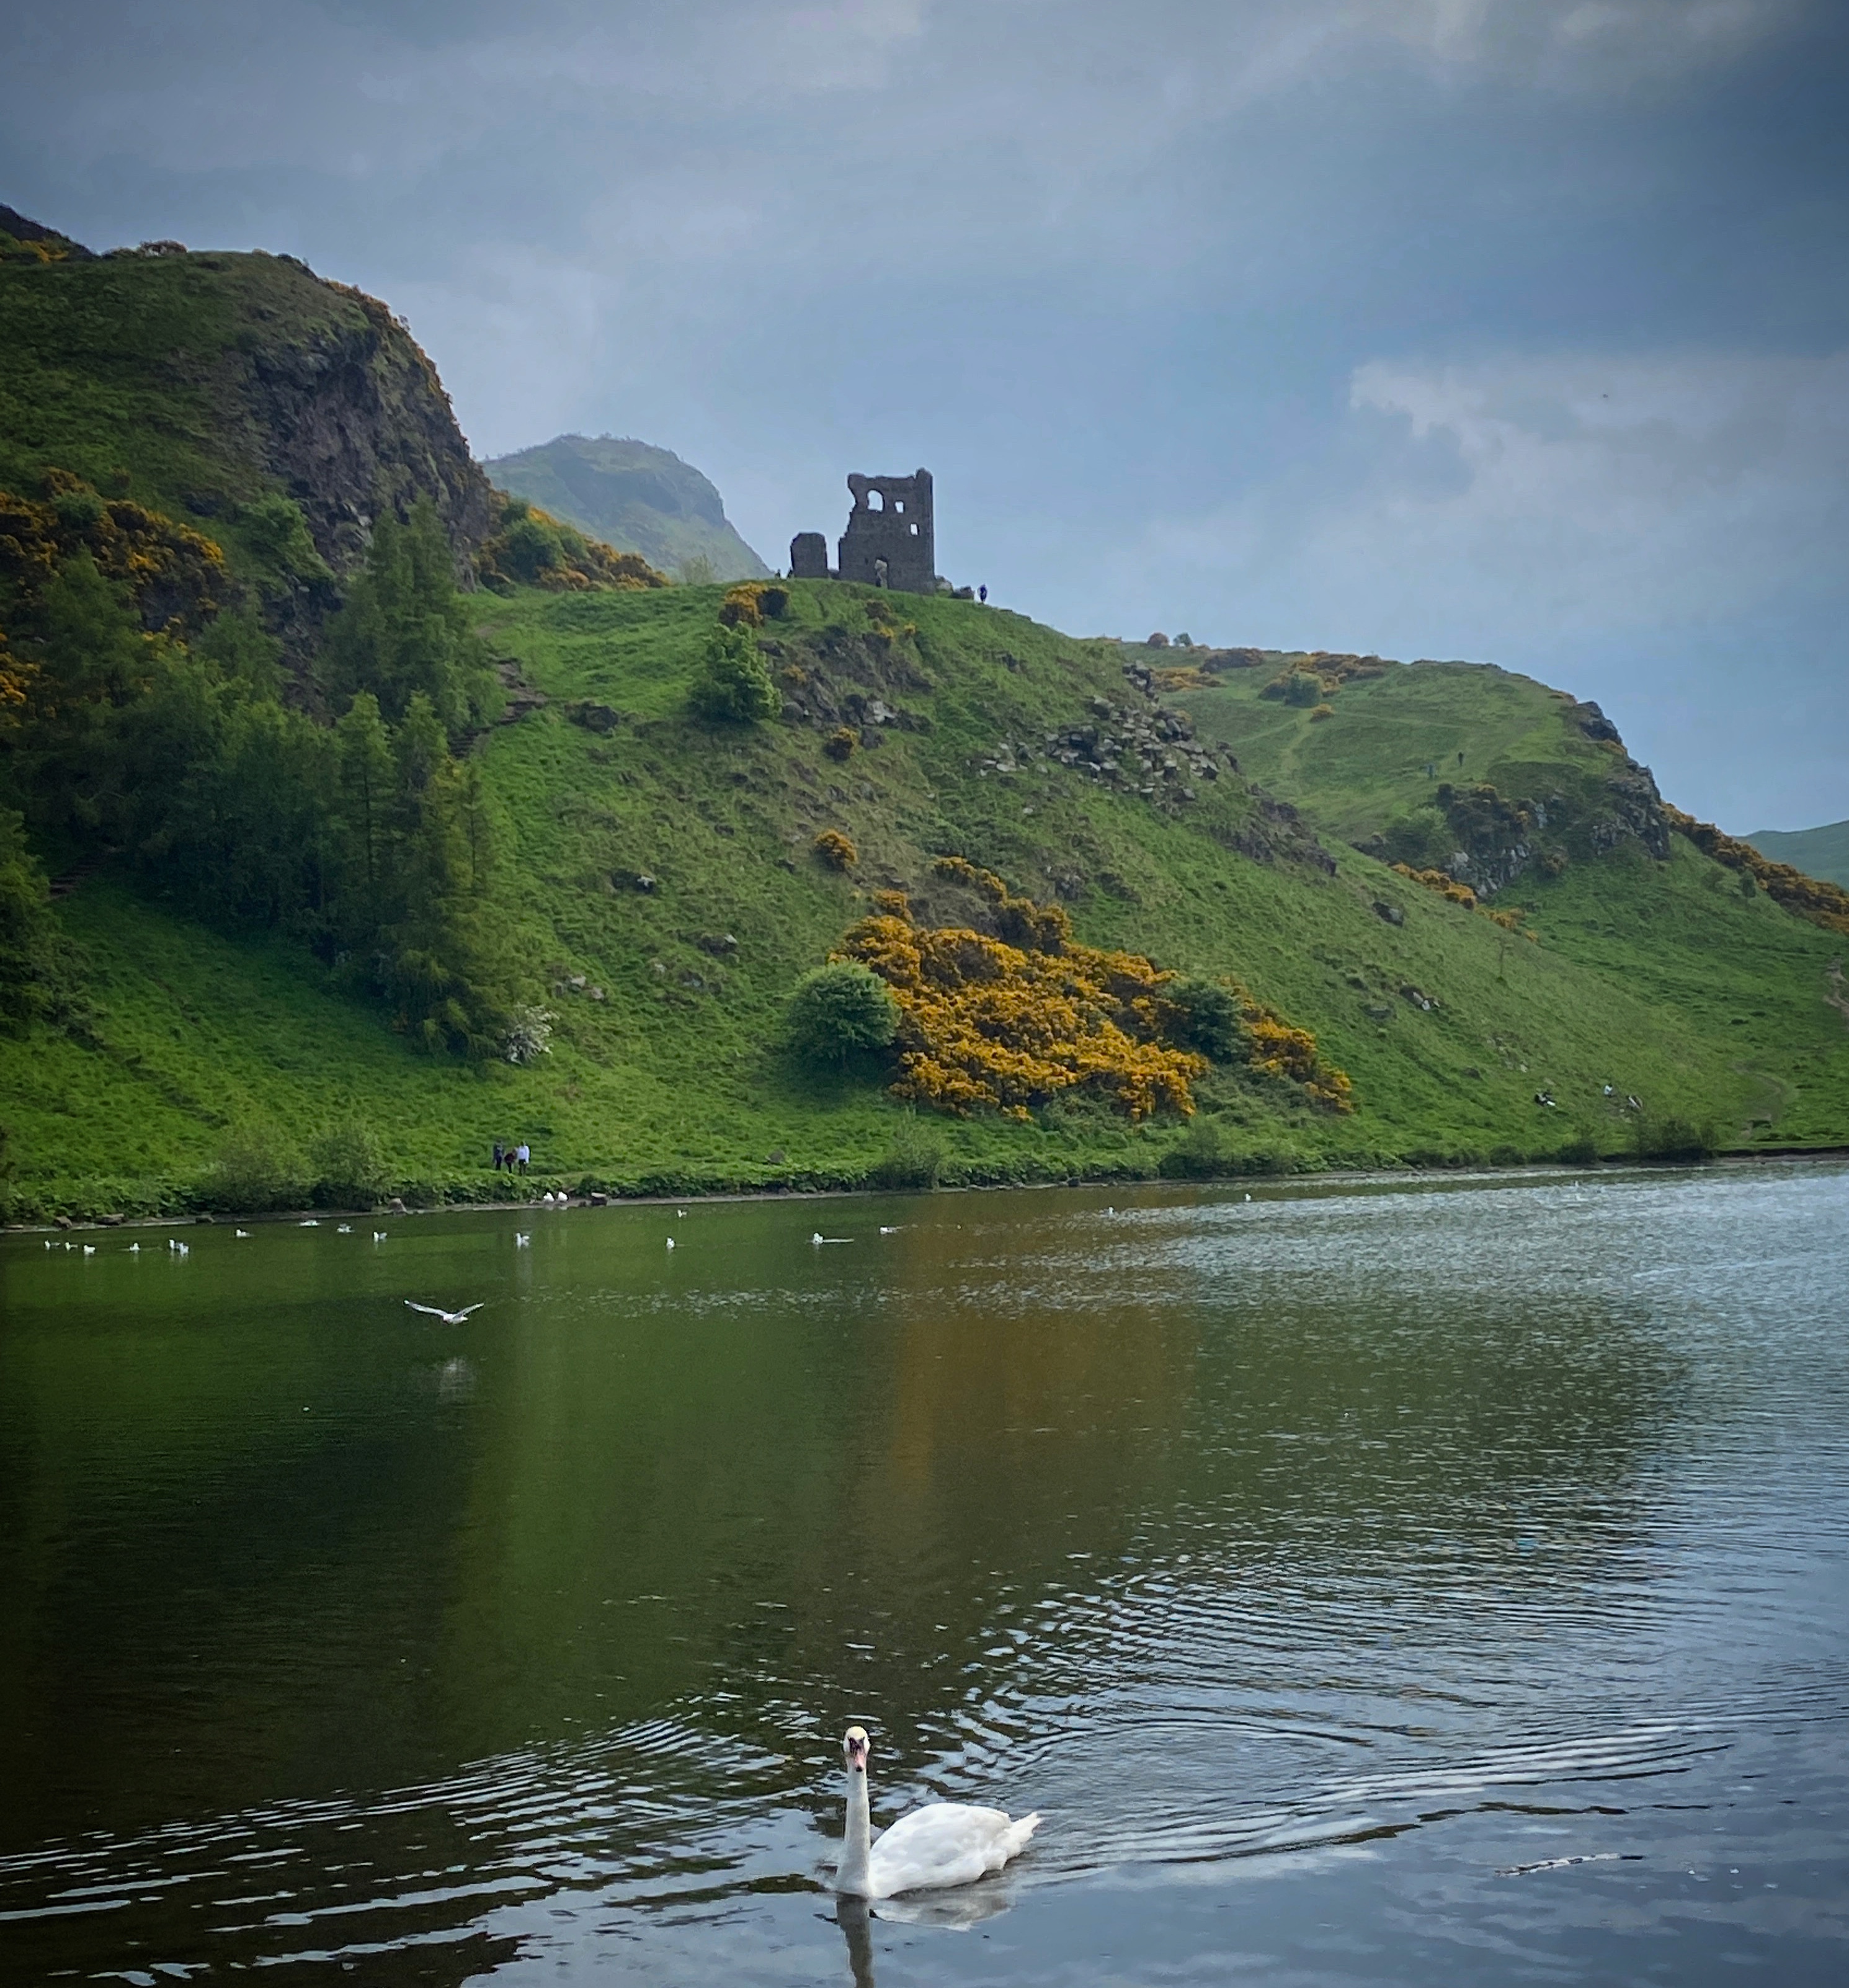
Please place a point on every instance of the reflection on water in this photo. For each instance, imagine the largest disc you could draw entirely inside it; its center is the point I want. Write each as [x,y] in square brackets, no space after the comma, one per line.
[1462,1566]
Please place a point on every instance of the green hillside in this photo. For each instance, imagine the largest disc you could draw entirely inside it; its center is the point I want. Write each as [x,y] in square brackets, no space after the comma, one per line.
[201,384]
[337,840]
[1659,978]
[636,498]
[1819,852]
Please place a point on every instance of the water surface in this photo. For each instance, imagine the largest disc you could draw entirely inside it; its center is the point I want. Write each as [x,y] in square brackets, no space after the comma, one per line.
[1365,1584]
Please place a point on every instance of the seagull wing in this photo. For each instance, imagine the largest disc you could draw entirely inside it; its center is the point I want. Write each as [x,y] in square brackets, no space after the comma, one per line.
[435,1311]
[459,1316]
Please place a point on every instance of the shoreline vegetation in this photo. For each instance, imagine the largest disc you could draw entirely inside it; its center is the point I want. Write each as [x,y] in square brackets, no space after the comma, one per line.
[1456,1169]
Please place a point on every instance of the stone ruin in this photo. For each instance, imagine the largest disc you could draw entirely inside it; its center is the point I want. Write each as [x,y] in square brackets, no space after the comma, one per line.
[890,539]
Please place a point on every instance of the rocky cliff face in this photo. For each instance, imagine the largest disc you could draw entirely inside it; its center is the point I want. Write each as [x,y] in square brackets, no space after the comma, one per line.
[354,421]
[197,382]
[1488,838]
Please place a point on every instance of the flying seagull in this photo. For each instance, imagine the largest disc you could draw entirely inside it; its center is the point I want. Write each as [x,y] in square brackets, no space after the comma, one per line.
[447,1317]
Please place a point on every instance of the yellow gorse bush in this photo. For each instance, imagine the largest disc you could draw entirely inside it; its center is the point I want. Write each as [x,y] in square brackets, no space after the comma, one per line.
[1823,904]
[1441,882]
[1009,1021]
[836,849]
[1447,888]
[159,560]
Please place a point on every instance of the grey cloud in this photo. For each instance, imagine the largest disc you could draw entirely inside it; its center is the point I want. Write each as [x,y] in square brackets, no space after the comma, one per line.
[1275,321]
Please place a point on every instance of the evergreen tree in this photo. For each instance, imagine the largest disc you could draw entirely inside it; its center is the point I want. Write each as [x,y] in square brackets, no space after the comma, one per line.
[404,629]
[39,968]
[368,794]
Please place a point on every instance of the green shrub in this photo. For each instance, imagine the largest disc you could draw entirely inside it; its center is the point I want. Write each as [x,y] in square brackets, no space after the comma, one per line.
[1211,1021]
[255,1169]
[41,970]
[840,1012]
[1674,1139]
[349,1168]
[1302,688]
[1208,1150]
[275,532]
[734,687]
[914,1159]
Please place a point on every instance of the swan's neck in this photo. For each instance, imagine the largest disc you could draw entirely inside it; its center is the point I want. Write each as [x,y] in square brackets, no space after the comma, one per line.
[852,1874]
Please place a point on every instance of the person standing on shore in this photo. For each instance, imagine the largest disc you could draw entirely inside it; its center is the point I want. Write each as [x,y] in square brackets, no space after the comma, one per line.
[523,1153]
[500,1155]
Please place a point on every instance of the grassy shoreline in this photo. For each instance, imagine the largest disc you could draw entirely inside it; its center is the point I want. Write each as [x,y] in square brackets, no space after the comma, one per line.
[1463,1169]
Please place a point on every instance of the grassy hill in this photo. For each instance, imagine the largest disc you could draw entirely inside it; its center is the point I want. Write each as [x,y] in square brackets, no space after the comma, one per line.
[659,890]
[635,497]
[1657,978]
[199,385]
[1819,852]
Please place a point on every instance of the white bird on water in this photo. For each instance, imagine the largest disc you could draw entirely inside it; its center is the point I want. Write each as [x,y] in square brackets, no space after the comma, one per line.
[522,1242]
[244,1232]
[670,1242]
[447,1317]
[345,1229]
[928,1848]
[818,1238]
[379,1235]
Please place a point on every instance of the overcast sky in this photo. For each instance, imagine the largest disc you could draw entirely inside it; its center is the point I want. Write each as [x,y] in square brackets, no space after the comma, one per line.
[1515,330]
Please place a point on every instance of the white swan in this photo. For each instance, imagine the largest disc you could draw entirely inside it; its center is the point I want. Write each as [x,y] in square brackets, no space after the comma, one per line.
[943,1843]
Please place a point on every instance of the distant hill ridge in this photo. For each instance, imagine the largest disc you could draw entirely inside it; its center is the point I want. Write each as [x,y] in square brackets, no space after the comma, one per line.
[1818,852]
[634,496]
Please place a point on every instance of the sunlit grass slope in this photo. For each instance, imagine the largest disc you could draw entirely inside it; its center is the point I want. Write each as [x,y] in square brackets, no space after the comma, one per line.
[1660,979]
[1388,741]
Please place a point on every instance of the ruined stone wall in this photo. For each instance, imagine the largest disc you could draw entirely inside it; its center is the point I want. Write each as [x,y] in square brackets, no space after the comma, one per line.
[890,539]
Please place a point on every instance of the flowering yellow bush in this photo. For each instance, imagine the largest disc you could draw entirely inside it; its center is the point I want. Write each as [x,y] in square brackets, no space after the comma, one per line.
[534,548]
[835,849]
[175,574]
[1453,892]
[1010,1021]
[1823,904]
[1441,882]
[1280,1050]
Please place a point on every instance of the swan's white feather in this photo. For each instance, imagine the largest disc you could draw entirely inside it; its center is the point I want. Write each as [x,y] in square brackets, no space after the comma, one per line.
[944,1843]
